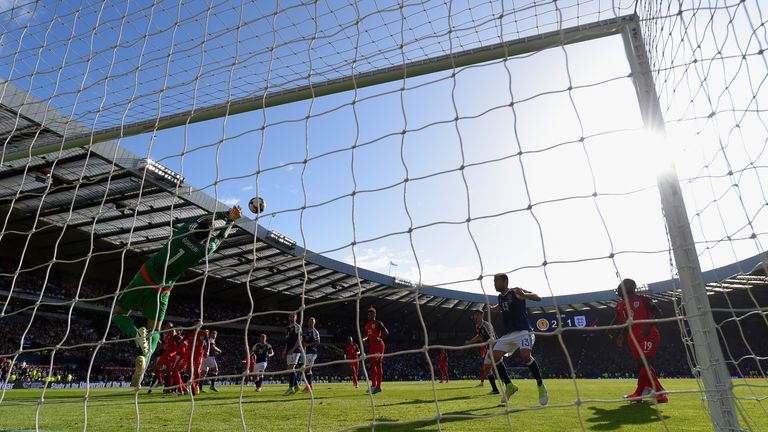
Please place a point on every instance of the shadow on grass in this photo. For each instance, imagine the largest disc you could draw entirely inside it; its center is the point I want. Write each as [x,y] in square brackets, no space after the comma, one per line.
[424,425]
[425,401]
[462,388]
[613,418]
[128,399]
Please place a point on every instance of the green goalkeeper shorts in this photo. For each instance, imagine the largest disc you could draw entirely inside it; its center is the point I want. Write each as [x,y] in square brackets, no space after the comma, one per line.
[149,300]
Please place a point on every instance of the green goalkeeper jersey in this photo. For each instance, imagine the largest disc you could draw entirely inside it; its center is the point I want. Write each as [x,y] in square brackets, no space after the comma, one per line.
[183,251]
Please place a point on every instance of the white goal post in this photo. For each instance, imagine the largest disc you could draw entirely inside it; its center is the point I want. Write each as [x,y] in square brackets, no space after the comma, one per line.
[717,380]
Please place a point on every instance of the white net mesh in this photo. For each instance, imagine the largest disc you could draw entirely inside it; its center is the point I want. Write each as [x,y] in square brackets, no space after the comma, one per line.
[403,148]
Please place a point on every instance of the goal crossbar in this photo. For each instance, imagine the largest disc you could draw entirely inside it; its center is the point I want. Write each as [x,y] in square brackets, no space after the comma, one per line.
[498,51]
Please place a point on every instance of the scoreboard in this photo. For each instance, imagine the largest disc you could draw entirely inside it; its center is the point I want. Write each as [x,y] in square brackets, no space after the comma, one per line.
[549,322]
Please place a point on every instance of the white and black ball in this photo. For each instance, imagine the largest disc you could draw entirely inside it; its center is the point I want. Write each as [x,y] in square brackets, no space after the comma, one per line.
[257,205]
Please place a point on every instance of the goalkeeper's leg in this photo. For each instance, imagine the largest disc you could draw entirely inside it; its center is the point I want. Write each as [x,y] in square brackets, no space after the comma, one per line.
[129,300]
[153,308]
[132,298]
[137,296]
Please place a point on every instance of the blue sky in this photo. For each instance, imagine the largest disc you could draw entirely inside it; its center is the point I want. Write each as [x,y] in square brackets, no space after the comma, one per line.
[430,154]
[311,155]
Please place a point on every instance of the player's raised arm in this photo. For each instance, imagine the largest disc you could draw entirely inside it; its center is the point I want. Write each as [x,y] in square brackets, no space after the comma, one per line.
[203,220]
[230,216]
[522,294]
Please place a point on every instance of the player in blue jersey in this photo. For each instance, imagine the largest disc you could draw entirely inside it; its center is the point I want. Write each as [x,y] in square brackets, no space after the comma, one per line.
[518,333]
[311,343]
[292,353]
[260,354]
[484,333]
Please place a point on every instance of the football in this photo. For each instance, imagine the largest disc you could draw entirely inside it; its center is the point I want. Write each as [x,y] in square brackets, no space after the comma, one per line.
[257,205]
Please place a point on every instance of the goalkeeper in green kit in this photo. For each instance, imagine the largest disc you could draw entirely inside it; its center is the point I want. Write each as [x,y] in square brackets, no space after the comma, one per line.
[150,288]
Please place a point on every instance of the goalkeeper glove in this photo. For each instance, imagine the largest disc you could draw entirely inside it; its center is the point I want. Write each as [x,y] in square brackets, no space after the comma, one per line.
[234,214]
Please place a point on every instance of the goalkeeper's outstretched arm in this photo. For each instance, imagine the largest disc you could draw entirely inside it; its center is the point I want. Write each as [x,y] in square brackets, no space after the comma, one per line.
[230,216]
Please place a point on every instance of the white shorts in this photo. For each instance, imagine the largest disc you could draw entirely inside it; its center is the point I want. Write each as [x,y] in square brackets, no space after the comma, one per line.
[510,342]
[310,360]
[209,363]
[292,359]
[260,367]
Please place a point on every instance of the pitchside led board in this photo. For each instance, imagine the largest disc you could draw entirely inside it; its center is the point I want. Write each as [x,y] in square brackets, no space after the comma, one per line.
[549,322]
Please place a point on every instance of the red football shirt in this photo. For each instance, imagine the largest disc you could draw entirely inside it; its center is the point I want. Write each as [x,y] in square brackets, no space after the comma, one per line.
[373,332]
[351,350]
[173,344]
[202,340]
[639,309]
[443,358]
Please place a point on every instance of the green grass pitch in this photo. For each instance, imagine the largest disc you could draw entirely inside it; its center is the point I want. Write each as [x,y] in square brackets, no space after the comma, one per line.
[462,406]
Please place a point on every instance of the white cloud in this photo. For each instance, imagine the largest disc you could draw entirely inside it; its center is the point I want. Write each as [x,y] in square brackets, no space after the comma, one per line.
[246,188]
[230,201]
[442,275]
[432,273]
[372,259]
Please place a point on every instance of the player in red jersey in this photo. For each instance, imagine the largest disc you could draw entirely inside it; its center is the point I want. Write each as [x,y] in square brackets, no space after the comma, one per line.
[171,360]
[163,366]
[643,338]
[483,353]
[178,363]
[197,342]
[443,363]
[375,332]
[351,351]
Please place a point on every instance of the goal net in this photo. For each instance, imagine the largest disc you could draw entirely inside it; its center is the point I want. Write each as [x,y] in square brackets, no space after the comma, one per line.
[407,152]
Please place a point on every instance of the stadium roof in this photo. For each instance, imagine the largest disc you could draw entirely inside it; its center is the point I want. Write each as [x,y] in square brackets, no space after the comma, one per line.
[739,276]
[105,205]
